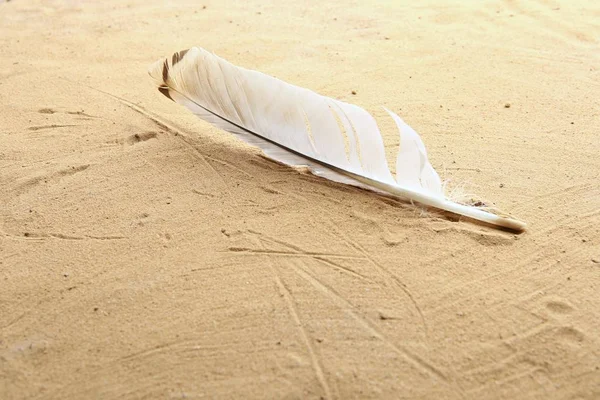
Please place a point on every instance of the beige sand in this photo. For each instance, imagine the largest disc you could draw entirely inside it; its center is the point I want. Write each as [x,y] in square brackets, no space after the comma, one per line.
[145,259]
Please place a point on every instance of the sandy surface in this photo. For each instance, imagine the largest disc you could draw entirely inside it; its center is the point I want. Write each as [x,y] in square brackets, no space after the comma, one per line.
[145,259]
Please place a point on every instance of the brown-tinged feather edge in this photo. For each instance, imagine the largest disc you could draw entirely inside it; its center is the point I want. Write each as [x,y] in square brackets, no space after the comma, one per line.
[178,57]
[165,71]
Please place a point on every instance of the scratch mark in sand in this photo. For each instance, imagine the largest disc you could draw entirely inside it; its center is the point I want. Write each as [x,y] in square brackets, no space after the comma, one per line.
[53,126]
[386,272]
[14,321]
[349,309]
[341,268]
[173,131]
[291,305]
[290,253]
[61,236]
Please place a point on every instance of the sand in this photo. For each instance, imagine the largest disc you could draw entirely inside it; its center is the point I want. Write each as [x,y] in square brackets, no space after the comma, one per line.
[146,254]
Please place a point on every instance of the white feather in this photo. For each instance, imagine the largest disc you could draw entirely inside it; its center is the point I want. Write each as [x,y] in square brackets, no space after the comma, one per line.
[298,127]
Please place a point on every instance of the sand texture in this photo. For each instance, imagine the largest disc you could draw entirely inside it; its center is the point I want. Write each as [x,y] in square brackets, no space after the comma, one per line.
[147,255]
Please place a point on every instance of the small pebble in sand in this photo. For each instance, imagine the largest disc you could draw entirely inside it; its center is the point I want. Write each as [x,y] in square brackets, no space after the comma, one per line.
[507,105]
[354,92]
[502,185]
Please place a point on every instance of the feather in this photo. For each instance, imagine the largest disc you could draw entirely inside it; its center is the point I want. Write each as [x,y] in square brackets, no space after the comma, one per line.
[298,127]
